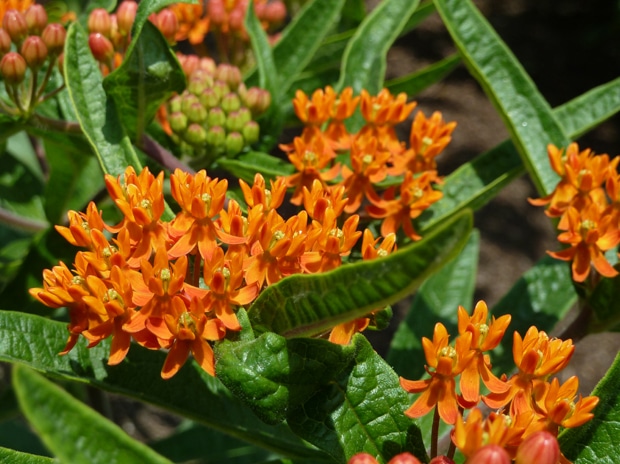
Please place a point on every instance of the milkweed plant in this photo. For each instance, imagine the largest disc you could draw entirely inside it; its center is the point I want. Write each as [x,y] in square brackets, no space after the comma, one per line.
[164,238]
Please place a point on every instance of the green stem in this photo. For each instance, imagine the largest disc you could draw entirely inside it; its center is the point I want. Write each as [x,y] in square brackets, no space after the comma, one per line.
[435,433]
[56,124]
[19,222]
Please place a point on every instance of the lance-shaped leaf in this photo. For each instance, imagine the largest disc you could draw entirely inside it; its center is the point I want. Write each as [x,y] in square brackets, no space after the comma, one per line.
[246,165]
[149,74]
[71,430]
[306,305]
[526,113]
[273,374]
[364,60]
[15,457]
[36,342]
[415,82]
[361,411]
[96,113]
[597,440]
[301,39]
[437,300]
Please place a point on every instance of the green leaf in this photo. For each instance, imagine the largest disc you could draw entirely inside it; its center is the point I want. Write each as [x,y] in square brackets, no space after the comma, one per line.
[306,305]
[9,456]
[148,76]
[361,411]
[247,165]
[605,304]
[364,61]
[301,39]
[597,440]
[354,11]
[526,113]
[274,375]
[414,83]
[96,112]
[542,296]
[437,300]
[192,393]
[70,429]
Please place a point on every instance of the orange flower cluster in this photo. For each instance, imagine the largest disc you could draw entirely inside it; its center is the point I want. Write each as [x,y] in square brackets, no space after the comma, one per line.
[144,282]
[587,201]
[375,154]
[526,403]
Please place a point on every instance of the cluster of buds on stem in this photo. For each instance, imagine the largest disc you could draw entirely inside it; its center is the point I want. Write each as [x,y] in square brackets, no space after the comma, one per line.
[216,114]
[110,34]
[28,46]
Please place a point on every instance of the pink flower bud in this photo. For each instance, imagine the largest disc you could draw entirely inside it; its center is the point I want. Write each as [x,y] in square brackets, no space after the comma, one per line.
[126,15]
[101,47]
[14,23]
[216,12]
[167,22]
[13,68]
[275,12]
[490,454]
[229,74]
[36,18]
[404,458]
[5,42]
[234,143]
[258,100]
[99,21]
[251,132]
[54,36]
[441,460]
[362,458]
[540,447]
[34,51]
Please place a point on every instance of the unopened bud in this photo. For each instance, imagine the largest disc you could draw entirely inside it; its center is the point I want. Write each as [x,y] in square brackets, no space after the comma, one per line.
[229,74]
[187,100]
[404,458]
[275,12]
[125,16]
[234,143]
[54,36]
[216,117]
[221,88]
[198,81]
[5,42]
[251,132]
[216,12]
[36,18]
[101,47]
[34,51]
[441,460]
[196,113]
[195,135]
[207,64]
[540,447]
[174,104]
[230,102]
[258,100]
[178,122]
[13,68]
[208,98]
[362,458]
[14,23]
[168,24]
[490,454]
[236,17]
[237,119]
[99,21]
[189,63]
[216,136]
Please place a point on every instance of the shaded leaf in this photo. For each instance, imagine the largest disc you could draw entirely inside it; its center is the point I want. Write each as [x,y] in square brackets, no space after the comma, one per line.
[74,432]
[414,83]
[306,305]
[247,165]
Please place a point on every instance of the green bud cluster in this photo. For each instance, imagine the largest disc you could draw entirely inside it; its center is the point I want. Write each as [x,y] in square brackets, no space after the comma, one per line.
[29,46]
[215,115]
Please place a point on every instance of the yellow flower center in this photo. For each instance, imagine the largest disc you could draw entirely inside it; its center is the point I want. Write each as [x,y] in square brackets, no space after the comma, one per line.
[310,158]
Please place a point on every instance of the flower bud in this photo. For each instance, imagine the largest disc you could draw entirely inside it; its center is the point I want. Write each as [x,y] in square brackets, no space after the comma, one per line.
[34,51]
[187,100]
[125,16]
[14,23]
[207,64]
[258,100]
[196,113]
[195,135]
[275,12]
[540,447]
[229,74]
[441,460]
[54,36]
[5,42]
[99,21]
[13,68]
[198,81]
[220,88]
[178,122]
[236,18]
[251,132]
[101,47]
[189,63]
[216,117]
[237,119]
[174,104]
[216,12]
[216,136]
[404,458]
[209,99]
[230,102]
[36,19]
[167,22]
[234,143]
[490,454]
